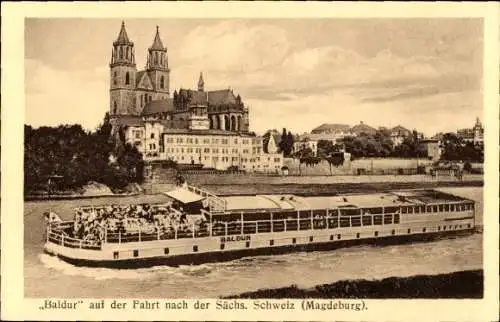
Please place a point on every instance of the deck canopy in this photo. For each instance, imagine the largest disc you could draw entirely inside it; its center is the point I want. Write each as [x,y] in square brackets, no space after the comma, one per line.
[184,196]
[242,203]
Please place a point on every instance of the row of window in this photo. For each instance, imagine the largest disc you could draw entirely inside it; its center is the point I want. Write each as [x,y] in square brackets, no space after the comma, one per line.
[158,58]
[222,246]
[127,53]
[404,209]
[215,151]
[223,159]
[436,208]
[207,141]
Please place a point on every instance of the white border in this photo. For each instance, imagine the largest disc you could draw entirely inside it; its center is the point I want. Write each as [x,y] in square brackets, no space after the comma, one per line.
[15,307]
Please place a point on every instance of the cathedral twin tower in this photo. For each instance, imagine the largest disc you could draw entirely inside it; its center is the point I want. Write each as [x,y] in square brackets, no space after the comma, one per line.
[130,89]
[146,94]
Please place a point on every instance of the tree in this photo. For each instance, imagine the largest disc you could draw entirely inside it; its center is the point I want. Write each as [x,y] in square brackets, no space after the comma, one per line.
[330,152]
[283,144]
[454,149]
[78,157]
[265,141]
[303,155]
[290,142]
[335,159]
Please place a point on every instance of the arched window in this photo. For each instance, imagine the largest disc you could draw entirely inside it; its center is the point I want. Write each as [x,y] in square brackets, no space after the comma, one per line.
[127,78]
[121,52]
[127,55]
[156,58]
[162,82]
[114,107]
[216,122]
[233,123]
[162,58]
[114,78]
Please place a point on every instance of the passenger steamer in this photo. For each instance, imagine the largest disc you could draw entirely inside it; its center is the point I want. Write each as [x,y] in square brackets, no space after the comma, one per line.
[238,226]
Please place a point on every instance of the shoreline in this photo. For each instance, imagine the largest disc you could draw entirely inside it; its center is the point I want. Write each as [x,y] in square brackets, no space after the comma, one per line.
[468,284]
[313,189]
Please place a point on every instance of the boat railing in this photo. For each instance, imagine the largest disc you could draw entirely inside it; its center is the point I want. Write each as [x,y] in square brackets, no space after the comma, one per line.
[56,235]
[328,220]
[215,203]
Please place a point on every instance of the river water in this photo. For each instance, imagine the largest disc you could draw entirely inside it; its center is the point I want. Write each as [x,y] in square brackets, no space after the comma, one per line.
[47,276]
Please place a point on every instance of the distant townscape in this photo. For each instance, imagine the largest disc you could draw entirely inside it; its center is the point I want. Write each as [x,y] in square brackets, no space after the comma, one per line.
[148,128]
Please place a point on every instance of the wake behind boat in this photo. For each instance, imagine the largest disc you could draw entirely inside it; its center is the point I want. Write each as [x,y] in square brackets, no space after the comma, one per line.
[198,226]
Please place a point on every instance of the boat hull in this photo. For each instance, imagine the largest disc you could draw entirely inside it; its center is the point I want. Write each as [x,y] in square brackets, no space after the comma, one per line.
[222,256]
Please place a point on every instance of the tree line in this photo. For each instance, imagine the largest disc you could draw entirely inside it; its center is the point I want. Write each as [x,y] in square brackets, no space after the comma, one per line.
[76,157]
[455,148]
[380,145]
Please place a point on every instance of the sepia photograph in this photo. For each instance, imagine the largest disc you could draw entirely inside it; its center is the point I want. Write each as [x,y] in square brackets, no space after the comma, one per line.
[304,162]
[254,158]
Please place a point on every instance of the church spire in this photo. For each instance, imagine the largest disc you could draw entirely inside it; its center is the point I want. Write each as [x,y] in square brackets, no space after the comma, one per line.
[123,49]
[157,54]
[122,36]
[157,44]
[201,83]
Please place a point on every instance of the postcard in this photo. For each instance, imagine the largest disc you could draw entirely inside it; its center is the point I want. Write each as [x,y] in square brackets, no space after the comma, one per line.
[250,161]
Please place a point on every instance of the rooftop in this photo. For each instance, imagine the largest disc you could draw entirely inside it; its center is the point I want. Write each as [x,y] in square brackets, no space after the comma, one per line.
[329,127]
[122,36]
[212,98]
[292,202]
[158,106]
[206,132]
[157,44]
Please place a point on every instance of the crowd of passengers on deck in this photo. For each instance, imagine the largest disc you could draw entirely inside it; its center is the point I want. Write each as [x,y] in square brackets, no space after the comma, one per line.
[125,222]
[96,224]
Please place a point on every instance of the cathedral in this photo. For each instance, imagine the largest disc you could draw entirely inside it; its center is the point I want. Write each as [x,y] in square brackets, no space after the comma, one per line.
[146,93]
[189,126]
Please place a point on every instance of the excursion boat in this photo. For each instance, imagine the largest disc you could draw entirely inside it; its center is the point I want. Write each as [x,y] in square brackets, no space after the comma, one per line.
[230,227]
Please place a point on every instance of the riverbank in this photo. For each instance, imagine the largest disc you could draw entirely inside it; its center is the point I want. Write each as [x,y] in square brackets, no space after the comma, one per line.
[456,285]
[318,189]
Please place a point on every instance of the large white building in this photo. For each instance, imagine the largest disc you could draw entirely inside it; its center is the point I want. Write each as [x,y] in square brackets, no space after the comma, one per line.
[207,128]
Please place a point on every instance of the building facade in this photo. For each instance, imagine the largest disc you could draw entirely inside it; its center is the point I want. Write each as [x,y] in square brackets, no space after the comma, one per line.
[306,143]
[433,148]
[399,134]
[474,134]
[209,128]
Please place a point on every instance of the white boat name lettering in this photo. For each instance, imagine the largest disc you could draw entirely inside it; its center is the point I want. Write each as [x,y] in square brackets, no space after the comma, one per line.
[234,238]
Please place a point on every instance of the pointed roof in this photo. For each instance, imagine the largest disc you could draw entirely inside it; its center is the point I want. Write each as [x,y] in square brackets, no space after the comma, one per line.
[400,130]
[478,122]
[157,44]
[212,98]
[220,97]
[200,81]
[122,36]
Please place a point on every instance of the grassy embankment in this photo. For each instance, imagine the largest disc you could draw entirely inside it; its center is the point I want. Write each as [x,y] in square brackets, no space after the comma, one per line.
[459,285]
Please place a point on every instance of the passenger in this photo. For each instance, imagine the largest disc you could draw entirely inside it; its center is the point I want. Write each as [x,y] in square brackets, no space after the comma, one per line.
[92,223]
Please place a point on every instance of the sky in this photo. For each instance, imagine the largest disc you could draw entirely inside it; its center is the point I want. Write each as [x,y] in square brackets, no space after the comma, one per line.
[423,74]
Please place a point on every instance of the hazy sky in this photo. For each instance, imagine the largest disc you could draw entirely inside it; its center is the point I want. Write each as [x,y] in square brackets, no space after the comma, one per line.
[420,73]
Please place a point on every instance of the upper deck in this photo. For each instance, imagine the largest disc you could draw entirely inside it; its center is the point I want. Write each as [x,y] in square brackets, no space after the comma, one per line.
[276,203]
